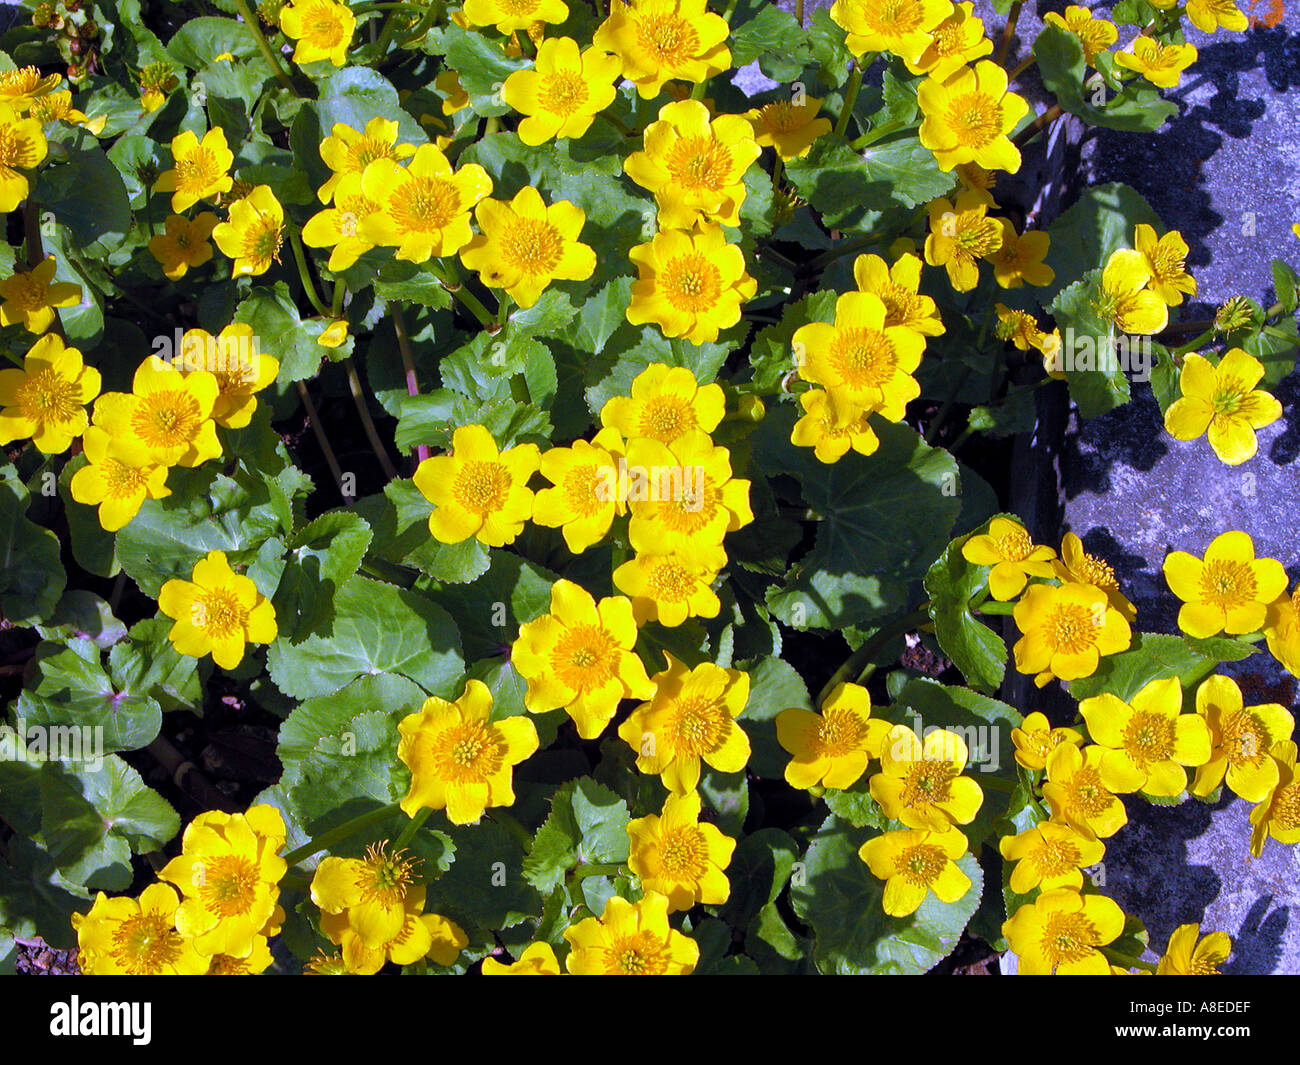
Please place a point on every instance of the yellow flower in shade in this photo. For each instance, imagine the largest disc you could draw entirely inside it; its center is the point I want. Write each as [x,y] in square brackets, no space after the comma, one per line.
[326,965]
[669,588]
[22,147]
[897,287]
[322,28]
[46,400]
[564,92]
[258,960]
[1066,631]
[789,127]
[1076,796]
[1282,631]
[334,334]
[1017,327]
[916,863]
[167,411]
[691,499]
[1012,554]
[1049,856]
[1165,261]
[1146,741]
[586,496]
[511,15]
[234,360]
[968,118]
[830,427]
[580,657]
[1189,955]
[1124,299]
[1223,403]
[478,490]
[1160,64]
[254,233]
[899,26]
[217,611]
[676,856]
[630,939]
[1019,259]
[525,245]
[1095,34]
[229,871]
[1209,15]
[425,206]
[957,40]
[30,298]
[460,759]
[1059,933]
[1241,738]
[1035,740]
[1077,566]
[183,244]
[339,226]
[1228,591]
[974,176]
[690,284]
[1278,813]
[347,152]
[666,402]
[135,937]
[861,359]
[200,169]
[659,40]
[961,234]
[920,781]
[120,477]
[695,166]
[538,959]
[690,719]
[1050,344]
[831,749]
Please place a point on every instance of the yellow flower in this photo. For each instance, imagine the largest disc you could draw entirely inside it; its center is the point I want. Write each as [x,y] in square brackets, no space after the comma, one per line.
[663,39]
[478,490]
[968,118]
[511,15]
[957,40]
[200,169]
[897,287]
[1185,956]
[229,871]
[831,749]
[234,360]
[254,233]
[899,26]
[1035,740]
[1078,567]
[915,863]
[860,358]
[695,166]
[339,226]
[57,107]
[1049,856]
[1282,630]
[1095,34]
[789,127]
[675,855]
[585,498]
[1223,403]
[960,235]
[348,152]
[1050,345]
[1017,327]
[1019,259]
[1076,796]
[22,146]
[974,176]
[1278,814]
[1160,64]
[690,284]
[538,959]
[1209,15]
[1165,261]
[666,402]
[460,759]
[1124,299]
[455,98]
[830,427]
[30,298]
[690,719]
[1228,591]
[525,245]
[120,477]
[1241,738]
[46,399]
[183,244]
[630,939]
[169,412]
[322,28]
[1059,933]
[135,937]
[23,87]
[920,781]
[424,207]
[256,962]
[217,611]
[334,334]
[1066,631]
[669,588]
[563,93]
[1012,554]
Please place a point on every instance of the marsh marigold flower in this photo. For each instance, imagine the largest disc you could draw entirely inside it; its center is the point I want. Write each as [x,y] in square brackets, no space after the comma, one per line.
[425,206]
[956,41]
[1223,403]
[1049,856]
[135,937]
[1019,259]
[30,298]
[120,476]
[666,402]
[169,412]
[920,781]
[1123,298]
[674,854]
[788,126]
[338,226]
[1012,554]
[630,939]
[1076,795]
[253,234]
[1209,15]
[1017,327]
[1241,739]
[1278,814]
[897,286]
[915,863]
[1066,631]
[1229,590]
[1160,64]
[22,87]
[899,26]
[183,244]
[564,92]
[961,233]
[671,587]
[690,284]
[661,40]
[968,118]
[1036,739]
[256,962]
[1095,34]
[347,151]
[1078,567]
[1189,955]
[831,427]
[509,16]
[1165,260]
[22,147]
[538,959]
[200,169]
[1282,631]
[322,28]
[831,749]
[46,400]
[217,611]
[585,497]
[1059,933]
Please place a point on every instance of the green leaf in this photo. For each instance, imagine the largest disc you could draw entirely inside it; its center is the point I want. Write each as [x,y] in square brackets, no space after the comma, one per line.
[587,826]
[86,194]
[321,557]
[974,648]
[279,330]
[484,891]
[491,608]
[1155,656]
[1100,222]
[770,32]
[483,67]
[759,871]
[1091,358]
[774,685]
[31,575]
[406,511]
[855,806]
[354,95]
[33,899]
[1285,284]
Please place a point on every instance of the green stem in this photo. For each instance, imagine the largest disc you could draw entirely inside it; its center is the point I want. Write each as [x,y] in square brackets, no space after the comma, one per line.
[798,11]
[336,304]
[1021,67]
[618,124]
[388,572]
[304,274]
[367,423]
[1126,961]
[349,828]
[1008,33]
[1192,345]
[850,97]
[451,281]
[408,364]
[313,418]
[511,824]
[778,169]
[503,308]
[859,660]
[597,869]
[846,247]
[997,608]
[1038,125]
[255,28]
[412,827]
[933,432]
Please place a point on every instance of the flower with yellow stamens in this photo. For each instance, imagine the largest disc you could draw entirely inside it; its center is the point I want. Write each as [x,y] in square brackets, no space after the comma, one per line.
[1223,403]
[21,88]
[1066,629]
[460,759]
[200,169]
[1049,856]
[322,28]
[22,147]
[339,225]
[830,427]
[46,400]
[347,152]
[961,234]
[1077,566]
[1241,738]
[156,81]
[899,26]
[135,937]
[169,412]
[1012,554]
[831,749]
[538,959]
[1124,300]
[666,401]
[1076,796]
[789,127]
[630,939]
[1035,740]
[585,497]
[253,234]
[920,781]
[1059,933]
[659,40]
[217,611]
[1209,15]
[1228,591]
[478,490]
[689,720]
[326,965]
[1160,64]
[974,176]
[1278,814]
[1095,34]
[968,118]
[425,206]
[669,588]
[1282,630]
[183,244]
[240,368]
[57,107]
[1166,262]
[258,960]
[508,16]
[915,863]
[563,93]
[1019,259]
[31,297]
[120,476]
[1189,955]
[690,284]
[957,40]
[897,286]
[674,854]
[1017,327]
